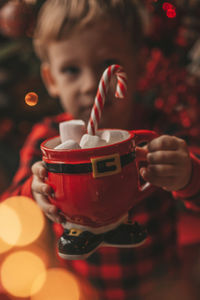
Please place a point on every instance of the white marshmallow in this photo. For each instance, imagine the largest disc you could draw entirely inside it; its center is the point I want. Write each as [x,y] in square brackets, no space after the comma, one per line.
[73,129]
[69,144]
[114,136]
[92,141]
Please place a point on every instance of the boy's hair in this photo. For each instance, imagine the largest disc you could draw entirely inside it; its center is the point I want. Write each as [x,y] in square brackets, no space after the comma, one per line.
[57,19]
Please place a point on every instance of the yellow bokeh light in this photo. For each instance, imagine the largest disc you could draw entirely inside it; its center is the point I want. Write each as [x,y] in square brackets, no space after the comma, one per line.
[10,226]
[19,271]
[31,99]
[30,216]
[4,247]
[59,284]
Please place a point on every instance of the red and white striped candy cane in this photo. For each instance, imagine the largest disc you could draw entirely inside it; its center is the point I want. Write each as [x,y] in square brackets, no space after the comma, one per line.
[102,93]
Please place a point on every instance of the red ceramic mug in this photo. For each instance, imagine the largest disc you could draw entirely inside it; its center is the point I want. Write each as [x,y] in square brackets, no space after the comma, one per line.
[96,187]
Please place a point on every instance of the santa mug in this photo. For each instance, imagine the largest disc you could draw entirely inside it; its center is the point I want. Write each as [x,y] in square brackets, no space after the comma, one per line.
[96,187]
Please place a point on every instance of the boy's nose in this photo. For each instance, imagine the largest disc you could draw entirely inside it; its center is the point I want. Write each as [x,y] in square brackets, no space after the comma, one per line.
[90,83]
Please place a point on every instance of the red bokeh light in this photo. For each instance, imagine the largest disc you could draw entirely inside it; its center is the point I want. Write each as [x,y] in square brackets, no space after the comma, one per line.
[171,13]
[170,9]
[167,5]
[159,103]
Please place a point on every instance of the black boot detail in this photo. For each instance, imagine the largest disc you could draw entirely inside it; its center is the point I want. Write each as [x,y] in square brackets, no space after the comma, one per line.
[126,235]
[78,244]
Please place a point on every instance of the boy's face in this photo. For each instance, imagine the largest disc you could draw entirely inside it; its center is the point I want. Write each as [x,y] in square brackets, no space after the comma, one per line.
[76,65]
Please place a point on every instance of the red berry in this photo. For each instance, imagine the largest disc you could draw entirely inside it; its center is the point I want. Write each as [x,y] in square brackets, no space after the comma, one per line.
[16,18]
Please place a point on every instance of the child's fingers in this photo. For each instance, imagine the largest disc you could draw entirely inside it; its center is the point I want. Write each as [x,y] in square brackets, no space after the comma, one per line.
[44,204]
[166,182]
[167,157]
[141,152]
[41,191]
[166,142]
[56,218]
[163,170]
[169,163]
[39,169]
[40,187]
[49,209]
[169,178]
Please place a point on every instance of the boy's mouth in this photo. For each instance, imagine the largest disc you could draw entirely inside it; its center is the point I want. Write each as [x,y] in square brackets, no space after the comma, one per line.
[85,111]
[85,114]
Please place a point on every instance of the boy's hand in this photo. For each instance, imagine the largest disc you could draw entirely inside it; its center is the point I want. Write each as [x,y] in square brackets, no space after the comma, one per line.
[169,163]
[41,191]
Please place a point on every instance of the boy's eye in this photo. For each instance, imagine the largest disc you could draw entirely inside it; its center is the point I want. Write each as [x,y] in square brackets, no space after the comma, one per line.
[71,70]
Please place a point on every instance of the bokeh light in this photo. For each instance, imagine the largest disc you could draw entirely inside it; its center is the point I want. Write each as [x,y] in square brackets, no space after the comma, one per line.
[31,99]
[10,227]
[4,247]
[19,271]
[30,216]
[170,9]
[167,5]
[171,13]
[59,284]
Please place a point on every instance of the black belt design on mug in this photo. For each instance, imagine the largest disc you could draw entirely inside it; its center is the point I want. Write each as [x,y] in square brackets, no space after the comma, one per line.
[100,166]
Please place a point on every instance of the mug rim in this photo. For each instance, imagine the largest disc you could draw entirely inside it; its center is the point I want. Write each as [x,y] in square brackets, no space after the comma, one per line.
[85,154]
[130,132]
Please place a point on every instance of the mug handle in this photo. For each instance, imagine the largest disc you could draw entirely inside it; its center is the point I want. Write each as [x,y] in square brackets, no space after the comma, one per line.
[141,136]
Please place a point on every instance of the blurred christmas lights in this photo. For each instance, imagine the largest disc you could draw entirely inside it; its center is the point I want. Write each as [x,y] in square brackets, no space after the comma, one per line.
[171,13]
[19,271]
[30,217]
[167,5]
[59,284]
[31,99]
[169,9]
[10,226]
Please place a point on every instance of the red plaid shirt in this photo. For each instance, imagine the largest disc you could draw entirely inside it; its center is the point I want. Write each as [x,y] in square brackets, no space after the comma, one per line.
[118,274]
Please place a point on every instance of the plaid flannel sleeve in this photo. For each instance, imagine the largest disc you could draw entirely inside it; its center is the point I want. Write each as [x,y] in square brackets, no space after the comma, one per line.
[29,154]
[190,195]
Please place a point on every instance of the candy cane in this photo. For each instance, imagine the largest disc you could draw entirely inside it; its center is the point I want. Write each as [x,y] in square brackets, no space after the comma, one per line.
[102,93]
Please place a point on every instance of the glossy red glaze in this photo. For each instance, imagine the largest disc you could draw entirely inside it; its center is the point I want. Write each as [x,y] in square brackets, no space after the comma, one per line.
[91,201]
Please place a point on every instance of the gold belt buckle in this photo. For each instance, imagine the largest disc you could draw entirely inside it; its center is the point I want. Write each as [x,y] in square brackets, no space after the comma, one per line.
[106,165]
[75,232]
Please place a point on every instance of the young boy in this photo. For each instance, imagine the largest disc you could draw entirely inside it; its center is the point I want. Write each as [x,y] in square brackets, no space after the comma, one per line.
[76,41]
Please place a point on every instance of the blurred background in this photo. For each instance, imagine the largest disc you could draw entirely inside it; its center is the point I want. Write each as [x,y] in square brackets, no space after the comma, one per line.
[170,86]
